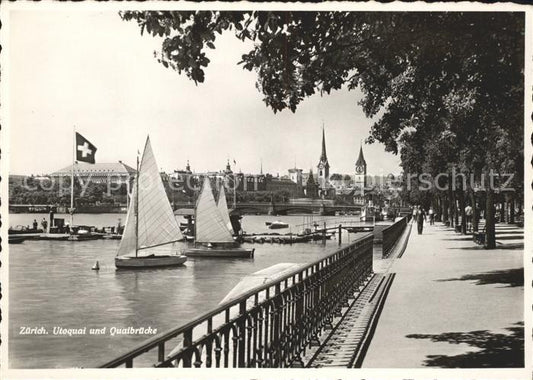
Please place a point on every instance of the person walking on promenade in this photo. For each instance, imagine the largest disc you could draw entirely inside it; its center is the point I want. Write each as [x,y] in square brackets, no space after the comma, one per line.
[420,218]
[468,213]
[415,211]
[35,224]
[44,223]
[431,214]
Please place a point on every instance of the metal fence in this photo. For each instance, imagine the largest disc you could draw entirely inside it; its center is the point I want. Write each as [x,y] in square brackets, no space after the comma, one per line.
[269,326]
[391,234]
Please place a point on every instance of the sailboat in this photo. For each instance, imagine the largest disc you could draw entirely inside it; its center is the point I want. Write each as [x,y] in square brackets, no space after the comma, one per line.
[151,231]
[213,228]
[222,206]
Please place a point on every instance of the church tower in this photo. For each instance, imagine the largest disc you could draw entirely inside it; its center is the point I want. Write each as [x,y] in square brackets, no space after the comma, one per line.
[323,164]
[360,171]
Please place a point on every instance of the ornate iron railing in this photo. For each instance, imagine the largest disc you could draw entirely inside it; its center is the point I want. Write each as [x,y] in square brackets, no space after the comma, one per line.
[391,234]
[269,326]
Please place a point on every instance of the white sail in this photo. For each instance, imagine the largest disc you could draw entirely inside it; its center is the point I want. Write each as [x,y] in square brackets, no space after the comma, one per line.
[157,225]
[223,209]
[129,237]
[209,224]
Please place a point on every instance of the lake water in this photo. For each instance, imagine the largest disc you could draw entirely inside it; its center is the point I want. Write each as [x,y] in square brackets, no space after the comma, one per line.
[51,284]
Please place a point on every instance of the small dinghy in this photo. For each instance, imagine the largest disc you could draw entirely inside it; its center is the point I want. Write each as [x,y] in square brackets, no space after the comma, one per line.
[277,225]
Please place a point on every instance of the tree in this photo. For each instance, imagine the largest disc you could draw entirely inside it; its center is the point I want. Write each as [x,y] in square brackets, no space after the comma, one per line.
[430,77]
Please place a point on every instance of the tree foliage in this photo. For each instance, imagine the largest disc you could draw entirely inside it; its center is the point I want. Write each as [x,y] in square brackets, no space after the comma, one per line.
[446,88]
[411,67]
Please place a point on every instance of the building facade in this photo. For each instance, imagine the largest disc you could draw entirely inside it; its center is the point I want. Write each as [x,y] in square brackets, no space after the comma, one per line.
[296,176]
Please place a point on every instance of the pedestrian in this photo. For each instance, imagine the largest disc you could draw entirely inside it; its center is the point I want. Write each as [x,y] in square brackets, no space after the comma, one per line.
[35,224]
[44,223]
[420,218]
[415,211]
[431,214]
[468,213]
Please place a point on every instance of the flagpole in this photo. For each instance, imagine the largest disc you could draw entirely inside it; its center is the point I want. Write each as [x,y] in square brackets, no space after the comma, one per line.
[234,187]
[136,205]
[72,177]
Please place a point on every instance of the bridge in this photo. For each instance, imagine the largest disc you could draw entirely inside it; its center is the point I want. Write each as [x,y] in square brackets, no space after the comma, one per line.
[271,208]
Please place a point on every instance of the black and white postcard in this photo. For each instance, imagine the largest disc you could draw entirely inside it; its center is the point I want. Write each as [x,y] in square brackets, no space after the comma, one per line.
[300,191]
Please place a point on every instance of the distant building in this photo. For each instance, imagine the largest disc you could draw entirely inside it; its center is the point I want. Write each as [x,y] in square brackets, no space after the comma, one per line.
[116,172]
[184,180]
[311,187]
[275,184]
[360,179]
[360,171]
[250,182]
[228,169]
[296,176]
[323,165]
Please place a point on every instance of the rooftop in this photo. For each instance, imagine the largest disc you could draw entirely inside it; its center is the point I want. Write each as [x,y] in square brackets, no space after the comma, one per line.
[98,168]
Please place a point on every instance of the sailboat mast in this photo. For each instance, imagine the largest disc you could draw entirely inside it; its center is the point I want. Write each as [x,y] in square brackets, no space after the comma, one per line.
[137,209]
[195,211]
[72,177]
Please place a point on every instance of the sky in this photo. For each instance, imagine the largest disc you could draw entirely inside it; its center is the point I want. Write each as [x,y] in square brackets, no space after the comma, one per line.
[91,71]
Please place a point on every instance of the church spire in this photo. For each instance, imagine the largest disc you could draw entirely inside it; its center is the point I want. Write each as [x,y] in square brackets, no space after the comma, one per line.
[323,156]
[361,160]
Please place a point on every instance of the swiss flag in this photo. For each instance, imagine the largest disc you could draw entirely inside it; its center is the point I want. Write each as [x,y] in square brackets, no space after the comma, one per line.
[85,151]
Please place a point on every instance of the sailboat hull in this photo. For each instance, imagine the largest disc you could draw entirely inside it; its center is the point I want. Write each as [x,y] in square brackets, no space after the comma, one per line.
[219,252]
[153,261]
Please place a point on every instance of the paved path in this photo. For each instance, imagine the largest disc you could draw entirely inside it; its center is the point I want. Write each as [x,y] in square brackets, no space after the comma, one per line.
[346,344]
[452,303]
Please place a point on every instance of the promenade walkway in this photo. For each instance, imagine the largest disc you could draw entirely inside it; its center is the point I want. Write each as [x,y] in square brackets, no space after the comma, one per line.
[452,303]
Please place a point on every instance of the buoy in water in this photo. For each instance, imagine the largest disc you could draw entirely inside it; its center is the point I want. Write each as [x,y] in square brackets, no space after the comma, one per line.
[96,266]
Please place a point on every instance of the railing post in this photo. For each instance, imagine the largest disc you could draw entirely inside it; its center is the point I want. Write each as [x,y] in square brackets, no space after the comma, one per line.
[161,352]
[187,343]
[242,334]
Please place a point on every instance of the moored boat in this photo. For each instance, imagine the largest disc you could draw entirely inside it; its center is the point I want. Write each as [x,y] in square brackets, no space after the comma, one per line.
[132,262]
[221,251]
[20,230]
[16,239]
[213,228]
[151,232]
[112,237]
[277,225]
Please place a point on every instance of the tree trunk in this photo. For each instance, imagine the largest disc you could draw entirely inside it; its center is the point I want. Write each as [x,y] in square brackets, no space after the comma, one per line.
[502,211]
[475,212]
[462,211]
[438,210]
[456,209]
[511,211]
[490,230]
[451,206]
[444,208]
